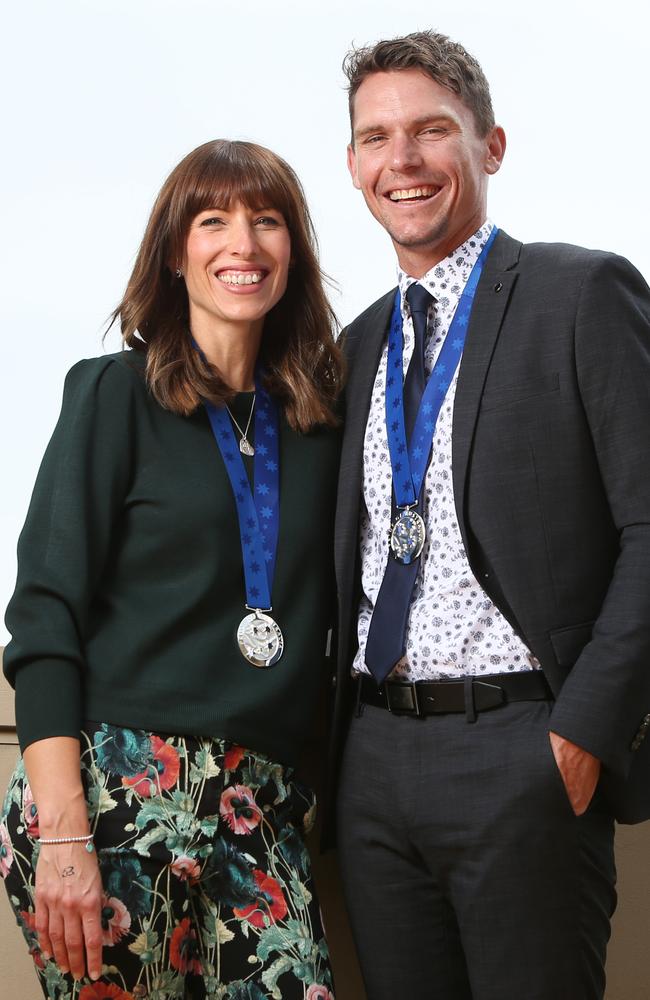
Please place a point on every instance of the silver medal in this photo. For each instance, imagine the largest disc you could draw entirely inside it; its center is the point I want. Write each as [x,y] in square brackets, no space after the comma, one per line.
[407,536]
[246,447]
[260,639]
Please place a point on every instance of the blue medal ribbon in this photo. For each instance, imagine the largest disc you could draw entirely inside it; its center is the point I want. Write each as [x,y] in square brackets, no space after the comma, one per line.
[259,515]
[409,463]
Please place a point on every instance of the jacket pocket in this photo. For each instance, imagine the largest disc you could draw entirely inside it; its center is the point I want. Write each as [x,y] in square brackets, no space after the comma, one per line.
[497,398]
[569,642]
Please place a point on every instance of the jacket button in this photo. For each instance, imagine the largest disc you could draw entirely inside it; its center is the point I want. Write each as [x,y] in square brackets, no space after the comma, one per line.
[334,681]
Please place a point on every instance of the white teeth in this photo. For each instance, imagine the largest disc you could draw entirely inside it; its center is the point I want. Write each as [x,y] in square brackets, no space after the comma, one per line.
[404,193]
[240,278]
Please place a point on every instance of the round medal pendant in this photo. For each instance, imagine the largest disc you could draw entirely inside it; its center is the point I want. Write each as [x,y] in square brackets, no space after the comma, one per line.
[260,639]
[407,536]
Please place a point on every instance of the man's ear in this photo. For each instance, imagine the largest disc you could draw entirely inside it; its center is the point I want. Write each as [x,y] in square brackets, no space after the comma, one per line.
[352,166]
[496,149]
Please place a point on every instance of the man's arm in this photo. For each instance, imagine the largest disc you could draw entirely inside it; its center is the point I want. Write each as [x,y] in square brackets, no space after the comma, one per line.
[608,690]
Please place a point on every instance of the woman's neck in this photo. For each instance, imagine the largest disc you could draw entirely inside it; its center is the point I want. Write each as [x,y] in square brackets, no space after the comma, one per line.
[232,349]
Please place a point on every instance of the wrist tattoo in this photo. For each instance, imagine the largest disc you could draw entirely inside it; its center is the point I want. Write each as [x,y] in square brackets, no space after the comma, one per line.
[67,871]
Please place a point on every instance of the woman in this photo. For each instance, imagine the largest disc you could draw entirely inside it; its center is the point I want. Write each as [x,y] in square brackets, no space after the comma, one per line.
[170,615]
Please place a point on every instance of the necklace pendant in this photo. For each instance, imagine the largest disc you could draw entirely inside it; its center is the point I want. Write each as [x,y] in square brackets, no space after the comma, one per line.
[245,447]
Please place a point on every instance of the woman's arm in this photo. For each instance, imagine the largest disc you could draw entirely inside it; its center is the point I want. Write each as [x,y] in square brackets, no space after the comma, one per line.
[63,549]
[78,497]
[68,883]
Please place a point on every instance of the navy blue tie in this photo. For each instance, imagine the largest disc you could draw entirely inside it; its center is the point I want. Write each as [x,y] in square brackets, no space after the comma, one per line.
[386,637]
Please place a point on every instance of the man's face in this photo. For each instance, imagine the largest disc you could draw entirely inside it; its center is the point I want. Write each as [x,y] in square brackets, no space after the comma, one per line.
[421,165]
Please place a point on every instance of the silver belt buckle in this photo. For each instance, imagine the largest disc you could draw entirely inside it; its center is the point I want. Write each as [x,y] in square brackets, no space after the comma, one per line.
[403,700]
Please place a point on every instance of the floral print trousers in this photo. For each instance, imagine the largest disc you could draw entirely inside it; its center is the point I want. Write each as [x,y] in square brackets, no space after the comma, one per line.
[207,880]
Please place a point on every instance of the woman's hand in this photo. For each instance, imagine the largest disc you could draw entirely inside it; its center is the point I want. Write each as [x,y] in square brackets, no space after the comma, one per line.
[68,908]
[68,884]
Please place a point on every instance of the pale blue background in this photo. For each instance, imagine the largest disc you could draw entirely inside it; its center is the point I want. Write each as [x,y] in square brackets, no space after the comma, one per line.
[100,99]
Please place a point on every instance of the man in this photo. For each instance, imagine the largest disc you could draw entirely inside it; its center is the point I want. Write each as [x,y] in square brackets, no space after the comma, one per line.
[493,560]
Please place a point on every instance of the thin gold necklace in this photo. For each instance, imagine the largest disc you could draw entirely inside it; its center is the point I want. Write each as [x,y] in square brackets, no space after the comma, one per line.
[245,447]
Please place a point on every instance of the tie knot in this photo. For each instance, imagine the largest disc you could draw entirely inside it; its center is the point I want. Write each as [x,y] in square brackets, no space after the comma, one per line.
[418,298]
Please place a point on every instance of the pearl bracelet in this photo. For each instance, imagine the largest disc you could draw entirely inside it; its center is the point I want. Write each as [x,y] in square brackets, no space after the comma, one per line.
[87,839]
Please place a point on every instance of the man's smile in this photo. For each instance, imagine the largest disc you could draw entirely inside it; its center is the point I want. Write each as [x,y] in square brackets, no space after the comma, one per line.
[421,193]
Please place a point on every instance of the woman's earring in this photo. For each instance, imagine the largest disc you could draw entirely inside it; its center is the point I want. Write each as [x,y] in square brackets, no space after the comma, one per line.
[179,273]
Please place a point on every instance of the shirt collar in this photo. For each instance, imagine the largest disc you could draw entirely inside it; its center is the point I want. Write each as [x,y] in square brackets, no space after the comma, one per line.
[447,279]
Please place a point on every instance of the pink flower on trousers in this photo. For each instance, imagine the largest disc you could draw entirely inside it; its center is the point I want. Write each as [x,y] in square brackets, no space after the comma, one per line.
[239,809]
[116,920]
[6,851]
[317,992]
[186,869]
[30,814]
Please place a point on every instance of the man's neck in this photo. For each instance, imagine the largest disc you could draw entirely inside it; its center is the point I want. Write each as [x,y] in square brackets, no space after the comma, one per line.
[417,261]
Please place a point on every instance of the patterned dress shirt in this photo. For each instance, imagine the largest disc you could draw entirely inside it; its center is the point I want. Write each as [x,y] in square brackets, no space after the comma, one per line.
[454,628]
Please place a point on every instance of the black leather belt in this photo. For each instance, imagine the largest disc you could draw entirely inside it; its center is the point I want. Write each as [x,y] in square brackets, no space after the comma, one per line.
[471,694]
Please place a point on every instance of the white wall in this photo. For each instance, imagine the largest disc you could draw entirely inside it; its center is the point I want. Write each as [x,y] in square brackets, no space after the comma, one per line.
[101,98]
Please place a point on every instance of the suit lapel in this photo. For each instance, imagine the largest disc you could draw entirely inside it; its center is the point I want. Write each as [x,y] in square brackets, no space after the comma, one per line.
[492,296]
[366,338]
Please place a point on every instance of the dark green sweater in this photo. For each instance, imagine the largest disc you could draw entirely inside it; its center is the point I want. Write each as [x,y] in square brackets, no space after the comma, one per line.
[130,581]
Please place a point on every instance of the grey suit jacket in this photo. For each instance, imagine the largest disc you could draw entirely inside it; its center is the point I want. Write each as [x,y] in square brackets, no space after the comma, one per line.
[551,471]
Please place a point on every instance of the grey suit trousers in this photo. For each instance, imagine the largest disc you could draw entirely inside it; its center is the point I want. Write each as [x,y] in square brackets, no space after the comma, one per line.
[467,874]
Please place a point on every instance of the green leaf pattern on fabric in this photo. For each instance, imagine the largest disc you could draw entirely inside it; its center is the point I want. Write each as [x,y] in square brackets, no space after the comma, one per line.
[210,871]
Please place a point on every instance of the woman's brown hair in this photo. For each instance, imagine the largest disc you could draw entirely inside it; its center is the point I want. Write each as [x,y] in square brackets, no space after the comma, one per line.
[303,366]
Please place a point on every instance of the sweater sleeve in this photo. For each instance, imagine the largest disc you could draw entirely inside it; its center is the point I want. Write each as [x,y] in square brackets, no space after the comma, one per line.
[62,550]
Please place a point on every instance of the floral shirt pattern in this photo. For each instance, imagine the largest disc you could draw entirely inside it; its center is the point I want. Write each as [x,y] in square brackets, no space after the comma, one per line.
[204,868]
[454,628]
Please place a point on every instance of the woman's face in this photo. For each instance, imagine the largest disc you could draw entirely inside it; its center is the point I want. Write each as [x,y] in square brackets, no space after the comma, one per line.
[236,264]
